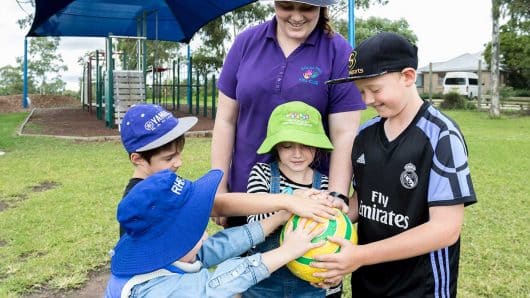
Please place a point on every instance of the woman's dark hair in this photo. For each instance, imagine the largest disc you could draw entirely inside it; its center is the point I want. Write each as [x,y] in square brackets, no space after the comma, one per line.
[179,144]
[324,22]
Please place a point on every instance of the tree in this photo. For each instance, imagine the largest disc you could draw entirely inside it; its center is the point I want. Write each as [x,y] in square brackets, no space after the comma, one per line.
[217,35]
[495,73]
[514,56]
[11,81]
[338,11]
[518,13]
[44,63]
[157,52]
[373,25]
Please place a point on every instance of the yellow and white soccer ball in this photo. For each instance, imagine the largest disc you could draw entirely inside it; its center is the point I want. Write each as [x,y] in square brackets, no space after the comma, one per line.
[341,226]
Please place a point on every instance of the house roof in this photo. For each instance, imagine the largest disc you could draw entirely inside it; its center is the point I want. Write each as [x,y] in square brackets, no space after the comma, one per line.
[465,62]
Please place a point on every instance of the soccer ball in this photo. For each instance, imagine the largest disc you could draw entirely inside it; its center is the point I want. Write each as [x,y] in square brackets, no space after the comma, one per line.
[341,226]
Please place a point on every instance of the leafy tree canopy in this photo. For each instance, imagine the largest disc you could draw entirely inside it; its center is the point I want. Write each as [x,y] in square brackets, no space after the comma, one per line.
[514,41]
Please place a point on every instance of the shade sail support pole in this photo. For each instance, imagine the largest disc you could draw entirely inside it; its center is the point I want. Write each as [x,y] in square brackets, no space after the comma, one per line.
[351,22]
[25,88]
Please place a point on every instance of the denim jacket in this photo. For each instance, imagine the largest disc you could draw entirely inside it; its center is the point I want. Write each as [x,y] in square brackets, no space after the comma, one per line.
[233,274]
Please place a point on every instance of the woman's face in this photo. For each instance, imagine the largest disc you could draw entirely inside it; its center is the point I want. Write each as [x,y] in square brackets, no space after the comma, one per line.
[296,20]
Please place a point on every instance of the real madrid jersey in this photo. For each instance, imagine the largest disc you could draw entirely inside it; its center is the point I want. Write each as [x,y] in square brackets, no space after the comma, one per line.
[396,183]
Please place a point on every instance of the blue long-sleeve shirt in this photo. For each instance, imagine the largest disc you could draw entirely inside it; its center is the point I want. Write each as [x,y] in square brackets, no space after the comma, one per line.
[233,274]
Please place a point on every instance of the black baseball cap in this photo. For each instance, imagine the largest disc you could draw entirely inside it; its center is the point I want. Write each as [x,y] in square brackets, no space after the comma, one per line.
[382,53]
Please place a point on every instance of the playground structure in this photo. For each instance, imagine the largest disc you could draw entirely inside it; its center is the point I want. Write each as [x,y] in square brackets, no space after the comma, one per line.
[119,89]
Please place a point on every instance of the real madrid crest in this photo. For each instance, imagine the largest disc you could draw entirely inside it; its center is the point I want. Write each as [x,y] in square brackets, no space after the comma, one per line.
[409,178]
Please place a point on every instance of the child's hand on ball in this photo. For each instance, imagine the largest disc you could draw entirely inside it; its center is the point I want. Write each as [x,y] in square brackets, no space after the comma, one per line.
[298,241]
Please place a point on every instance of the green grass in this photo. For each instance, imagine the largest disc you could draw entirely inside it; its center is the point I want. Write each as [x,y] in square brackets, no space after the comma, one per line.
[61,197]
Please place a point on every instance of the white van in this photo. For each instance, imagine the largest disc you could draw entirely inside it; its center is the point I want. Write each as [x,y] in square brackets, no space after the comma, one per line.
[463,83]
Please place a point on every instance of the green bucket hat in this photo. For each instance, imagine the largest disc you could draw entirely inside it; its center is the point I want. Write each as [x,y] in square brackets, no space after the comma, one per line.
[296,122]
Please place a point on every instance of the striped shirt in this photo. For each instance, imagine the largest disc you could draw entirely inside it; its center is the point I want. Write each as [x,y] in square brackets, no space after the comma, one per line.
[259,182]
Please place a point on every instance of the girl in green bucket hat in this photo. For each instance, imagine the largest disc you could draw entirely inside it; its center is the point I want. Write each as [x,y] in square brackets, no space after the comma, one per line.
[295,133]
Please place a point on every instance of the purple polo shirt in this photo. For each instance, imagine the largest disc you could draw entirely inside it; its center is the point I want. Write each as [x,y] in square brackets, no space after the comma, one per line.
[259,77]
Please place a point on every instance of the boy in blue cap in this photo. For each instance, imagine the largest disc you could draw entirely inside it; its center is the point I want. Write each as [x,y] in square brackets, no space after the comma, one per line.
[154,140]
[411,181]
[165,251]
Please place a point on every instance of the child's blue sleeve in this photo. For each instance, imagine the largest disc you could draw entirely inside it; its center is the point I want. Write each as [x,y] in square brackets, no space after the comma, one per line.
[230,243]
[236,275]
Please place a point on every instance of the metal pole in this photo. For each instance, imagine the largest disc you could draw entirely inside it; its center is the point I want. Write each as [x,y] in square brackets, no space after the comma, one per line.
[205,108]
[479,95]
[430,82]
[25,92]
[144,55]
[178,84]
[109,90]
[99,107]
[351,23]
[213,97]
[153,71]
[189,79]
[197,95]
[173,86]
[83,84]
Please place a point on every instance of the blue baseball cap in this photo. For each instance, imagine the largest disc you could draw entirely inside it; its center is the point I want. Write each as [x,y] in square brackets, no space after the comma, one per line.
[164,216]
[148,126]
[382,53]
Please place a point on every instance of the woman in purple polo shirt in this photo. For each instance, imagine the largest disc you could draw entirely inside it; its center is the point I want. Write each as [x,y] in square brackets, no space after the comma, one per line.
[287,58]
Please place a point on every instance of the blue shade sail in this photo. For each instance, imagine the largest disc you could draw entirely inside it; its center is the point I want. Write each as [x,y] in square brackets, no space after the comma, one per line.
[170,20]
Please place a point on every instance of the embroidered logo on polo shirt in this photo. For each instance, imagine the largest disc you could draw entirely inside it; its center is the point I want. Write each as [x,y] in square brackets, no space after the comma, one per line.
[309,74]
[409,178]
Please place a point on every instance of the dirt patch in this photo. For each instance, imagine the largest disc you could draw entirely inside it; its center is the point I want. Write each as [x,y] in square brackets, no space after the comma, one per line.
[44,185]
[31,254]
[13,103]
[3,206]
[95,287]
[18,197]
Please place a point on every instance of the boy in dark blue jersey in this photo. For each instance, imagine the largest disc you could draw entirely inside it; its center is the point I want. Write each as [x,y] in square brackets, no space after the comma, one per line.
[411,181]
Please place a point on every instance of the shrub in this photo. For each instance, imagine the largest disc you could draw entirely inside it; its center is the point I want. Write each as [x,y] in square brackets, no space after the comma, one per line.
[506,92]
[425,95]
[453,100]
[522,92]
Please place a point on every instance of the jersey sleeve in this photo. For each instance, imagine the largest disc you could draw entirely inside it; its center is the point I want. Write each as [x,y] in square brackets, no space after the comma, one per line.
[450,180]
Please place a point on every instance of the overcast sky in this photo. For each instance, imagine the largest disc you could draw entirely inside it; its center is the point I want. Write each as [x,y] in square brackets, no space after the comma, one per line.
[445,29]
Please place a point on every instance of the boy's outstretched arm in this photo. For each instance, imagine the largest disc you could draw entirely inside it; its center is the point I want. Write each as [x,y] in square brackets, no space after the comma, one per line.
[295,244]
[442,229]
[238,204]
